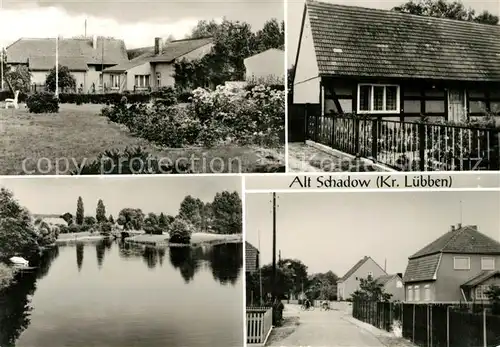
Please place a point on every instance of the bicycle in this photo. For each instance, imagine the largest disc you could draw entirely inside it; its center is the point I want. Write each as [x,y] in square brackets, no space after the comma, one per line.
[304,308]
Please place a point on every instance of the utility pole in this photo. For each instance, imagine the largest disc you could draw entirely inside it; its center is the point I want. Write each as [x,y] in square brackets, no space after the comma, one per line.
[260,279]
[57,66]
[273,296]
[1,68]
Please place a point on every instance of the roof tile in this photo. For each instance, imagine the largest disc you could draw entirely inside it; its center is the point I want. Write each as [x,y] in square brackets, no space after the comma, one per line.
[422,269]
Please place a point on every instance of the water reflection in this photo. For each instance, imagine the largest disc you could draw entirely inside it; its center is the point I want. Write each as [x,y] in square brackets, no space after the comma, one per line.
[225,263]
[15,300]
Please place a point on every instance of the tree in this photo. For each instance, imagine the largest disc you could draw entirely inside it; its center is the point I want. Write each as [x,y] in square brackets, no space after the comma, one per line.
[493,294]
[100,213]
[66,80]
[443,9]
[272,35]
[68,218]
[18,78]
[204,29]
[162,220]
[89,220]
[191,210]
[79,211]
[298,272]
[131,219]
[323,286]
[226,213]
[152,224]
[370,290]
[180,231]
[111,219]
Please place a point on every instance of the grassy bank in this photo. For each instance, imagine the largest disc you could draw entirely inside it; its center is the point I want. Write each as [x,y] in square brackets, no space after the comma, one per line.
[82,236]
[196,239]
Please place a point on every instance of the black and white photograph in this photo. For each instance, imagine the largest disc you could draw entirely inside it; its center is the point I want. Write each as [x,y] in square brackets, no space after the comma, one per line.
[412,269]
[117,262]
[393,85]
[155,87]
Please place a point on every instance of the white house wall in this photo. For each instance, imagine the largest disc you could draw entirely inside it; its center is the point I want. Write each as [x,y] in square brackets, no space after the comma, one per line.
[143,69]
[306,81]
[39,77]
[268,65]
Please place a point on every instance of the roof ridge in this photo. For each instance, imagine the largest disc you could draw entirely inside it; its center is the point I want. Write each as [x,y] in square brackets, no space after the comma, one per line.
[400,13]
[453,237]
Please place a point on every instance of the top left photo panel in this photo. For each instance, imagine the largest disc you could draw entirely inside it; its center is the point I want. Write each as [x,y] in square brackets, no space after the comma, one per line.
[154,87]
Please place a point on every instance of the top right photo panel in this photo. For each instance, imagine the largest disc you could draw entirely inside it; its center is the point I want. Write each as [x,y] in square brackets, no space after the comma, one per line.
[393,85]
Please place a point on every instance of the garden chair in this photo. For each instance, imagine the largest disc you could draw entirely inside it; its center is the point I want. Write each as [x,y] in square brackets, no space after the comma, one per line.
[12,102]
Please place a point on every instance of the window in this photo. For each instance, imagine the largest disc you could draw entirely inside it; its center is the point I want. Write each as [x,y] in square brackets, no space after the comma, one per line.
[481,292]
[141,81]
[427,292]
[410,293]
[417,293]
[487,263]
[115,81]
[158,79]
[378,98]
[370,274]
[461,263]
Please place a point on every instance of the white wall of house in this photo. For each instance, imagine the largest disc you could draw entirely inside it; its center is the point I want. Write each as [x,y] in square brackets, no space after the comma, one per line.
[143,69]
[306,85]
[92,76]
[39,77]
[266,66]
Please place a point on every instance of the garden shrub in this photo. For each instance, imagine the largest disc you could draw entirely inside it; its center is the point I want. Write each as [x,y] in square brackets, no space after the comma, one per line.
[131,161]
[42,103]
[212,118]
[106,98]
[184,96]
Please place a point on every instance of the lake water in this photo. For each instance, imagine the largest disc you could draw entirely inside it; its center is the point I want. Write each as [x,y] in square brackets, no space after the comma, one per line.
[112,294]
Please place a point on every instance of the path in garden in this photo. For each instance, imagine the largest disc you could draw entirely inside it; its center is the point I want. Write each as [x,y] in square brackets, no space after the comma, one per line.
[330,328]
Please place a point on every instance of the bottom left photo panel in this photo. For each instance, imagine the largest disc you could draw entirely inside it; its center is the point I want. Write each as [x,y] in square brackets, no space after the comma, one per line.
[121,261]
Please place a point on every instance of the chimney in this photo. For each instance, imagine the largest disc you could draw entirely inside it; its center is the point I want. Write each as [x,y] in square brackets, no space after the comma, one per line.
[158,47]
[94,42]
[452,228]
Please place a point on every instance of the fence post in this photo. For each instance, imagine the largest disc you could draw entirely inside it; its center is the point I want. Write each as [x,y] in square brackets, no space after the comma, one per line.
[356,137]
[485,335]
[413,325]
[333,130]
[448,326]
[374,138]
[306,125]
[428,319]
[316,126]
[432,330]
[421,146]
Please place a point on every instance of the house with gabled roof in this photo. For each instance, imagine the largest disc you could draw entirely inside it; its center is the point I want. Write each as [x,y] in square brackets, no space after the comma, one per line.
[153,68]
[85,58]
[349,283]
[392,284]
[395,65]
[458,266]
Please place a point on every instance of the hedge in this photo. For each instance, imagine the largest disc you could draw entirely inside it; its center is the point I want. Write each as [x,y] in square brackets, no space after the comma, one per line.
[7,94]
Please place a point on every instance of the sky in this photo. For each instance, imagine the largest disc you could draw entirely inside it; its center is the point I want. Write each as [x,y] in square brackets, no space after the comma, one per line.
[333,231]
[137,22]
[151,194]
[296,7]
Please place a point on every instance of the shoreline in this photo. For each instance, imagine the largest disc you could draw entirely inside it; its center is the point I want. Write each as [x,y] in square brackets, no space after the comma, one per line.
[197,239]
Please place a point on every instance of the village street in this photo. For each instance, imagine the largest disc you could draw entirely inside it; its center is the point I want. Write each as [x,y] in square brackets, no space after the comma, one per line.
[327,328]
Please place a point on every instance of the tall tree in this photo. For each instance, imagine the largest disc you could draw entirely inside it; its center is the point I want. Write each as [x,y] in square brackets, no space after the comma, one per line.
[111,219]
[79,211]
[204,28]
[226,213]
[100,213]
[131,218]
[443,9]
[191,210]
[272,35]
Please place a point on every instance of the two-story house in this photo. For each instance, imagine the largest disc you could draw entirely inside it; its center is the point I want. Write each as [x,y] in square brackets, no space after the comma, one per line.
[349,283]
[458,266]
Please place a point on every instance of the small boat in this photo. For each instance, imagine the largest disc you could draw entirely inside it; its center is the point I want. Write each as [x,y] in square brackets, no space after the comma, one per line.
[19,261]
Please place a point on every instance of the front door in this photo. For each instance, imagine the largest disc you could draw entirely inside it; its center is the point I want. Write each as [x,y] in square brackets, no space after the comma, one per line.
[456,105]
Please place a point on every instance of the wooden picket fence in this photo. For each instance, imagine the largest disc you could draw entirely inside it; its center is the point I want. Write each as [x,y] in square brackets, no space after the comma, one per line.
[259,325]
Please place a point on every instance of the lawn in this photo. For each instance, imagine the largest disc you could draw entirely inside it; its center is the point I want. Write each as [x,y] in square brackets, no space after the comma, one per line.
[196,238]
[59,143]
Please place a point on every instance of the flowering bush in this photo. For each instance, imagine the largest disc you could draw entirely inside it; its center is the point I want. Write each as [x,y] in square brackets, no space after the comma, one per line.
[223,116]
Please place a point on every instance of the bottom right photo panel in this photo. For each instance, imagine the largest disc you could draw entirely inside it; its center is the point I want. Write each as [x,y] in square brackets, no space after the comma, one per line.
[372,269]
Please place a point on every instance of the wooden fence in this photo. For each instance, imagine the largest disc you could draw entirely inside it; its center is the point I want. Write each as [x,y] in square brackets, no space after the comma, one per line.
[259,325]
[435,325]
[408,146]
